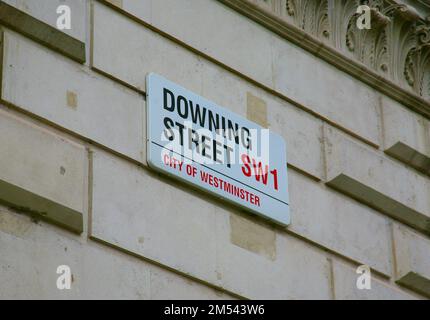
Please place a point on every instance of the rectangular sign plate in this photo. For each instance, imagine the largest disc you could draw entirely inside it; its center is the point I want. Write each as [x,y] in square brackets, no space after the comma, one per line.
[195,140]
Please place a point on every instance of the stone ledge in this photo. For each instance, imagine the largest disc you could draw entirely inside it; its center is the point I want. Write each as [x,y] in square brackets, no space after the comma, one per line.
[41,32]
[410,156]
[415,282]
[380,202]
[40,208]
[412,256]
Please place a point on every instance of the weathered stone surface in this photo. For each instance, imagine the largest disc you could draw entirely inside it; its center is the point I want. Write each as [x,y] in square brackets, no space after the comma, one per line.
[303,135]
[139,9]
[320,87]
[130,51]
[42,173]
[149,52]
[162,239]
[253,237]
[412,253]
[345,286]
[46,11]
[225,29]
[299,270]
[41,32]
[189,233]
[326,28]
[334,221]
[177,226]
[167,285]
[363,174]
[301,77]
[98,272]
[406,135]
[72,97]
[256,110]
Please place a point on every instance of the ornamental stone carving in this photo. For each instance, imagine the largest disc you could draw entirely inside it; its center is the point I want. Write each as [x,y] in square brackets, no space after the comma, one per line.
[397,46]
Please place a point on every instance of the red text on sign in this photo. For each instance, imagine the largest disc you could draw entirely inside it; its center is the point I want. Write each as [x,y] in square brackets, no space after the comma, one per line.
[259,171]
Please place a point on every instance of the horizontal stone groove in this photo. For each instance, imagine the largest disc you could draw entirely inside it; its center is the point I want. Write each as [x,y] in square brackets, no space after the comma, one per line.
[121,82]
[330,55]
[41,32]
[381,202]
[166,267]
[40,208]
[5,105]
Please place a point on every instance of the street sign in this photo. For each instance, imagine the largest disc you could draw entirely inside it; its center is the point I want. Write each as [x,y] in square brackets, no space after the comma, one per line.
[208,146]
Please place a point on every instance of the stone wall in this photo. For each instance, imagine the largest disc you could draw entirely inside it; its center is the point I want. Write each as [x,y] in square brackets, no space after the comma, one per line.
[75,187]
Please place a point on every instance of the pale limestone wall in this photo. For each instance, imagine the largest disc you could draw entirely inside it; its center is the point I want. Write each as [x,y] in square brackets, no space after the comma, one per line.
[72,144]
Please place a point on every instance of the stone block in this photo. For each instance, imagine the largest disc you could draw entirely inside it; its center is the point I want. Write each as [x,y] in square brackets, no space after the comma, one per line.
[346,227]
[42,173]
[46,11]
[374,179]
[345,286]
[72,97]
[250,49]
[412,253]
[152,53]
[171,224]
[406,135]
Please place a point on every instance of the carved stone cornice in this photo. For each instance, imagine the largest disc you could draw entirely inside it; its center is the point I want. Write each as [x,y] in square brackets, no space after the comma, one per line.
[393,56]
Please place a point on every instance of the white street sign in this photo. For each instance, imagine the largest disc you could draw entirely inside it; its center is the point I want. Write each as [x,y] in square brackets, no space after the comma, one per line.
[208,146]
